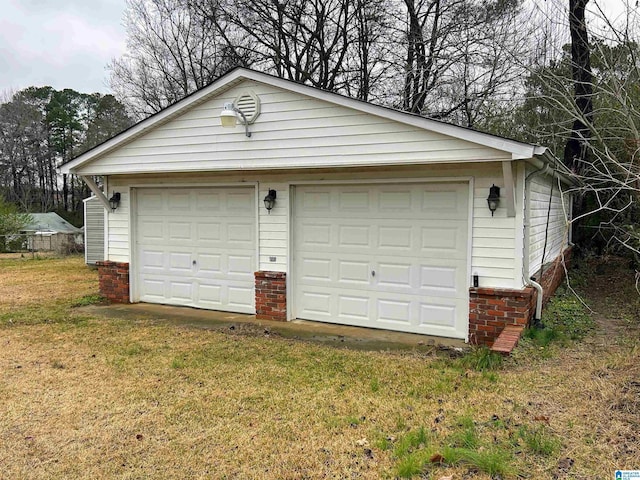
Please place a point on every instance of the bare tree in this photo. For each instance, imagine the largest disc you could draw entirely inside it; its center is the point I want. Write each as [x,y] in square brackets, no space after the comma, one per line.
[303,40]
[584,103]
[432,57]
[575,151]
[173,51]
[460,55]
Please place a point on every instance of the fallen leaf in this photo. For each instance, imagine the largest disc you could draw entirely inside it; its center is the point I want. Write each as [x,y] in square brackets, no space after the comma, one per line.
[565,464]
[541,418]
[436,458]
[362,442]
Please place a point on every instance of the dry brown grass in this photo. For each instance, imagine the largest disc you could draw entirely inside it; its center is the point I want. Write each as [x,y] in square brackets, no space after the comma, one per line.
[28,282]
[88,398]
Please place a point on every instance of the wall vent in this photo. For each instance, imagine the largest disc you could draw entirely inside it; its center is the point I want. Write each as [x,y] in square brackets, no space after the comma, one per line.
[249,104]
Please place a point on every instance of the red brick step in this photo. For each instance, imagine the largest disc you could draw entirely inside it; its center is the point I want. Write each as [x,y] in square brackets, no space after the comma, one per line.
[508,339]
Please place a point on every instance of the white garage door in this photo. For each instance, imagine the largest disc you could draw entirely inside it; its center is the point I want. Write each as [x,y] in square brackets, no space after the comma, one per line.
[197,247]
[383,256]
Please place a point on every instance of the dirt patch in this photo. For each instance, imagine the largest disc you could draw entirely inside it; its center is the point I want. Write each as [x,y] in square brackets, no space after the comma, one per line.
[608,286]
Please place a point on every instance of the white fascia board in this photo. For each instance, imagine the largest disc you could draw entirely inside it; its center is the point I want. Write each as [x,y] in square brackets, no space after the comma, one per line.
[518,150]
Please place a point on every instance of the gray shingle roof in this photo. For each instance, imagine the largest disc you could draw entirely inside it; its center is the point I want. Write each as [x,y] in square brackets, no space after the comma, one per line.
[50,222]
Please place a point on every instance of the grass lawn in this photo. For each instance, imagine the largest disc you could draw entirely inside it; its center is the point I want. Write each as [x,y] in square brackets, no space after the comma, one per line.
[83,397]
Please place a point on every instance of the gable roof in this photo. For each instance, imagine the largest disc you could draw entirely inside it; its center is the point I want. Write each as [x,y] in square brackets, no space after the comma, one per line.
[50,222]
[516,150]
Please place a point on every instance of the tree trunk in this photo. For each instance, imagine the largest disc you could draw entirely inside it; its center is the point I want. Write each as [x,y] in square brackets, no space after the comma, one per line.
[575,151]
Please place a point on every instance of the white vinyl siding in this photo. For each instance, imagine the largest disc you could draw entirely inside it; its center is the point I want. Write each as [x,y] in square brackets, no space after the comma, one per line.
[494,237]
[94,214]
[541,197]
[274,238]
[293,131]
[493,255]
[118,224]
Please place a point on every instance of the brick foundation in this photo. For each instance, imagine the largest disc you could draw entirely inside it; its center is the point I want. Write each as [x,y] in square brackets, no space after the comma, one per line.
[553,275]
[114,281]
[492,309]
[271,296]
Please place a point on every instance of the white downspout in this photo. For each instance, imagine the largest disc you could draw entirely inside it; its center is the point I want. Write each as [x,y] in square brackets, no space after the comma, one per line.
[538,287]
[525,258]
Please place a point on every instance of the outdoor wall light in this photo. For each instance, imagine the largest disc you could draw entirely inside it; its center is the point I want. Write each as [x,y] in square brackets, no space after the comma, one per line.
[270,200]
[114,201]
[229,117]
[493,199]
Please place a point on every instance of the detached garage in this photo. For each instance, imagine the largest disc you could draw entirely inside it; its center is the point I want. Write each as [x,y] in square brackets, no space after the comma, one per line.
[324,208]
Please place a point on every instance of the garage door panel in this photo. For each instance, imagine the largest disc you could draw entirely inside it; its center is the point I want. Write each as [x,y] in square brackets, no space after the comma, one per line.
[193,251]
[151,203]
[241,202]
[355,200]
[152,259]
[241,233]
[438,315]
[396,238]
[208,232]
[179,202]
[315,303]
[154,288]
[394,200]
[240,265]
[315,269]
[180,291]
[354,307]
[316,200]
[440,204]
[312,235]
[210,295]
[449,240]
[413,236]
[395,275]
[207,202]
[441,279]
[241,297]
[209,263]
[354,236]
[180,231]
[180,262]
[350,272]
[394,312]
[151,230]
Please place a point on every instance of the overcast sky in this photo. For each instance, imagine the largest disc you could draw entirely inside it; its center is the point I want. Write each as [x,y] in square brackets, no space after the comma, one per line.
[68,43]
[61,43]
